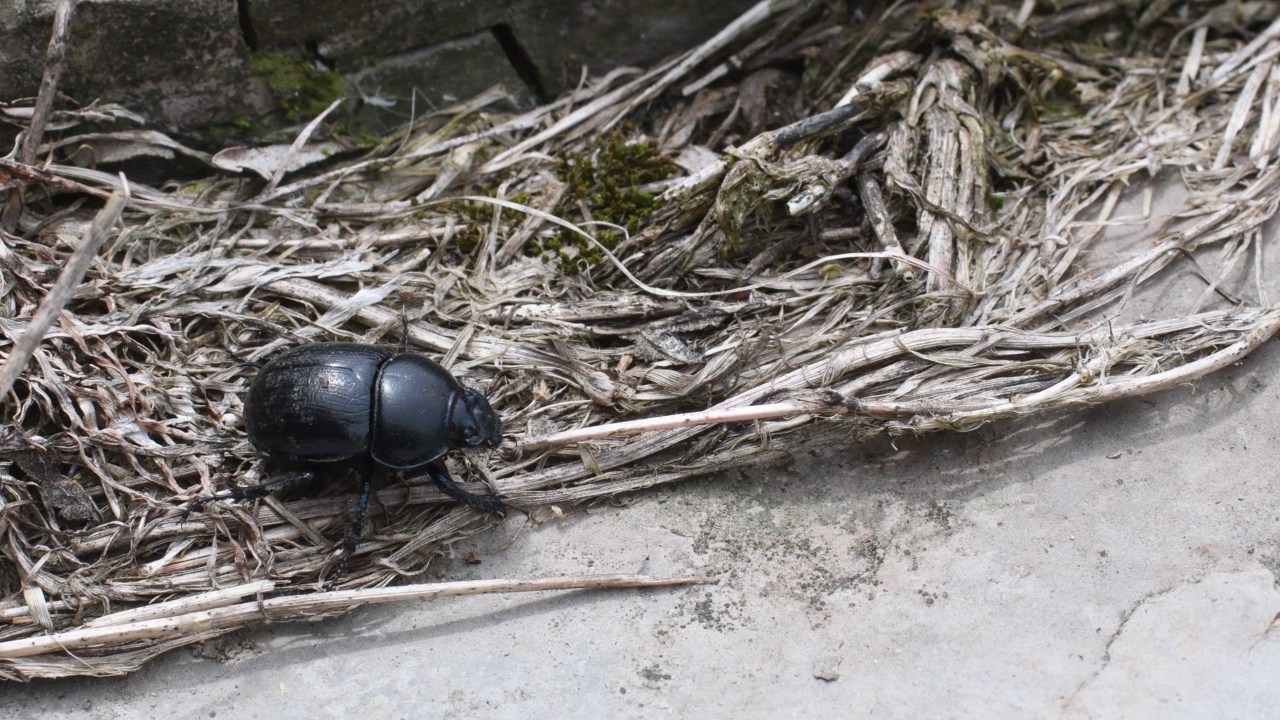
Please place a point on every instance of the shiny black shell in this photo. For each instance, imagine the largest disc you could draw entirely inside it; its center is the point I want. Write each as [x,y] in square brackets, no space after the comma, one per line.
[330,402]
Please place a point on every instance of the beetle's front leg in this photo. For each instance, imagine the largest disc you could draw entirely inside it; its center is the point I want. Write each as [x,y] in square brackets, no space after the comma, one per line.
[486,503]
[270,486]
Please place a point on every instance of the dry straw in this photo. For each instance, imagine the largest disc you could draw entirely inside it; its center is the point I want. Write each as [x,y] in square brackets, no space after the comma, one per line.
[818,227]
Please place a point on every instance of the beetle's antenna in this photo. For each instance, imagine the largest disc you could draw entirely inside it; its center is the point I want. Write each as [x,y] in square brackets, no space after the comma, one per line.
[404,330]
[238,357]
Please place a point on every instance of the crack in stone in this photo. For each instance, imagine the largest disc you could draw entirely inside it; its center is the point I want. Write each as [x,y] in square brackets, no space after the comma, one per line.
[526,69]
[247,30]
[1115,635]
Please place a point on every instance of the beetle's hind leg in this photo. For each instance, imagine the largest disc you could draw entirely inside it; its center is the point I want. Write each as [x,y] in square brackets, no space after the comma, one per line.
[486,503]
[271,486]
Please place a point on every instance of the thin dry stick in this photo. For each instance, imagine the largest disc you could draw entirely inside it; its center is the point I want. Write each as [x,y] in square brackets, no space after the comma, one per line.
[62,290]
[1245,53]
[570,121]
[1072,392]
[753,17]
[185,605]
[1097,391]
[635,427]
[647,86]
[515,125]
[302,605]
[53,60]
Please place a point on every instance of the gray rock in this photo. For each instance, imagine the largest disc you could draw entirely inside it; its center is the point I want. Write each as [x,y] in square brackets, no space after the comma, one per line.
[203,63]
[438,75]
[180,62]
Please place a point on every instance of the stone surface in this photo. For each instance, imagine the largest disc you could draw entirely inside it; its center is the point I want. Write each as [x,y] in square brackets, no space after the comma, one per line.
[189,62]
[1173,642]
[559,36]
[437,75]
[177,61]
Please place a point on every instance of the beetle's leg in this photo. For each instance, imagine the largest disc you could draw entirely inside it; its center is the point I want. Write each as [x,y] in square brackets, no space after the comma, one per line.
[271,486]
[355,530]
[486,503]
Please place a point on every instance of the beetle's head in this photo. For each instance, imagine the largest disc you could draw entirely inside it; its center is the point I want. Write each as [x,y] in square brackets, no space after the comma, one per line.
[475,422]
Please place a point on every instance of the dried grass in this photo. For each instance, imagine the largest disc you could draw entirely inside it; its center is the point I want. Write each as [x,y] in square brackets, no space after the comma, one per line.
[912,248]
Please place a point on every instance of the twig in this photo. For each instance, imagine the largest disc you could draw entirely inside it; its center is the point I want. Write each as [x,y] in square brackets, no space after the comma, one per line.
[705,417]
[53,60]
[664,292]
[62,290]
[767,41]
[304,605]
[882,222]
[184,605]
[1077,389]
[648,86]
[570,121]
[1233,61]
[767,143]
[515,125]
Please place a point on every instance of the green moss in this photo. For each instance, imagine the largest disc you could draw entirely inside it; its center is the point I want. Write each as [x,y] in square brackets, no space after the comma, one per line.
[301,90]
[478,218]
[312,194]
[605,178]
[468,242]
[232,129]
[343,132]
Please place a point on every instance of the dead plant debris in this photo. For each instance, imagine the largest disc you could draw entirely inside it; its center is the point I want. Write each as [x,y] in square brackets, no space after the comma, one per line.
[853,223]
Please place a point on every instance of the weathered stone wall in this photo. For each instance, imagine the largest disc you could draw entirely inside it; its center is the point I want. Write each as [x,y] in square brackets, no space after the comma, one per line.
[201,63]
[183,61]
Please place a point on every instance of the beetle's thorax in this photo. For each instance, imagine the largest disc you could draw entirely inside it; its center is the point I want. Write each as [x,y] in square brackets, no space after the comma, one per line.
[412,414]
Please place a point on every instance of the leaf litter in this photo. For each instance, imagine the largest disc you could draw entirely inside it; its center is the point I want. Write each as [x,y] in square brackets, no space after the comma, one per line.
[824,224]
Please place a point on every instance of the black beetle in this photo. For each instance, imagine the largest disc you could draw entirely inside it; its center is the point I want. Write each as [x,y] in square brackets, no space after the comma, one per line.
[327,403]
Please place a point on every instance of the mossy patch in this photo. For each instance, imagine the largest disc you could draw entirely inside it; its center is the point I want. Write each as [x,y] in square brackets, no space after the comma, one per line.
[477,220]
[301,89]
[606,179]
